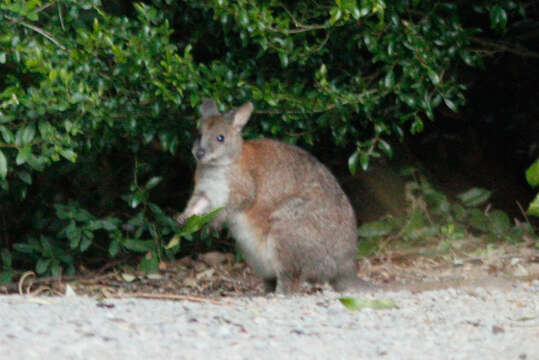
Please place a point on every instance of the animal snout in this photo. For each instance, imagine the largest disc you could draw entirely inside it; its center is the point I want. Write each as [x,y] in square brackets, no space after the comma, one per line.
[200,153]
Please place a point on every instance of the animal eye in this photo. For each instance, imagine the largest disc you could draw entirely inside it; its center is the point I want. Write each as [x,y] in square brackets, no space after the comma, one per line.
[199,136]
[220,138]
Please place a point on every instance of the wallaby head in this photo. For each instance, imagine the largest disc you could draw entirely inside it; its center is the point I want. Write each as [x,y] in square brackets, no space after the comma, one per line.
[219,140]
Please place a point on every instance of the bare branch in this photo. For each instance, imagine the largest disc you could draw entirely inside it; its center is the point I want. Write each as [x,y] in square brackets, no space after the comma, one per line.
[39,31]
[304,28]
[501,47]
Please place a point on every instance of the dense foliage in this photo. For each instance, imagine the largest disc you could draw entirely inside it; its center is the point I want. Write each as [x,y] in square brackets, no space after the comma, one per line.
[431,214]
[97,101]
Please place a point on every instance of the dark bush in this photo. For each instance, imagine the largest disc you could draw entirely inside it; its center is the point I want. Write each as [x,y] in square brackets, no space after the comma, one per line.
[97,102]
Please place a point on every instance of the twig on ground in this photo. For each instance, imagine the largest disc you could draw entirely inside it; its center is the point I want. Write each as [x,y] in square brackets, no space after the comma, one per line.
[523,212]
[21,282]
[176,297]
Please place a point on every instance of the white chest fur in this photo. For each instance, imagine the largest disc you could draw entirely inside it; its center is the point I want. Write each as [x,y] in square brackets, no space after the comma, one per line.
[257,249]
[214,184]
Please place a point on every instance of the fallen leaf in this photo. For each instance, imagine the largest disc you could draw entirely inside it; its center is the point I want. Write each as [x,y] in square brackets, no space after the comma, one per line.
[214,258]
[69,291]
[128,277]
[40,301]
[358,304]
[154,276]
[206,274]
[190,282]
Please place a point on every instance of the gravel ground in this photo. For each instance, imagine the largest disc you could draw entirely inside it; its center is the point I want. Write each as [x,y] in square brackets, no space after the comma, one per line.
[478,323]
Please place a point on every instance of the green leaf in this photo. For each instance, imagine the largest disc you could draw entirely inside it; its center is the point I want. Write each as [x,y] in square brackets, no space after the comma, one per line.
[435,199]
[114,248]
[195,222]
[515,235]
[500,221]
[375,228]
[335,14]
[55,268]
[28,134]
[367,247]
[85,243]
[25,248]
[175,241]
[136,199]
[42,265]
[62,211]
[69,154]
[23,154]
[73,233]
[81,214]
[323,70]
[356,13]
[284,59]
[466,56]
[137,245]
[479,220]
[533,209]
[36,163]
[25,177]
[7,135]
[149,263]
[352,162]
[415,226]
[417,126]
[385,147]
[532,174]
[46,247]
[434,78]
[474,197]
[108,224]
[450,104]
[3,166]
[364,161]
[389,79]
[358,304]
[491,238]
[459,212]
[153,182]
[498,18]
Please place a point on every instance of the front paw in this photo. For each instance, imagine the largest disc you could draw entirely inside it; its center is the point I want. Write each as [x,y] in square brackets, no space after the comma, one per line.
[182,219]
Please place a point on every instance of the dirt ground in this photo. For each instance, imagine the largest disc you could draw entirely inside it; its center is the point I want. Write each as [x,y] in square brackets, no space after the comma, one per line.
[214,275]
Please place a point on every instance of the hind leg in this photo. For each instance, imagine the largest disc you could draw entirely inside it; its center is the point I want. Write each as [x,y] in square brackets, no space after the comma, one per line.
[298,259]
[270,285]
[281,285]
[302,244]
[287,284]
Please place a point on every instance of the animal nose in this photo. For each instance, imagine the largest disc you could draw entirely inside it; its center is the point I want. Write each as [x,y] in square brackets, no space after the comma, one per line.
[200,154]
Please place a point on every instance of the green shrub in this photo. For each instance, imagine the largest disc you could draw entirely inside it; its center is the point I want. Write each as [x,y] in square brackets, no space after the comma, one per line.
[532,175]
[431,217]
[97,102]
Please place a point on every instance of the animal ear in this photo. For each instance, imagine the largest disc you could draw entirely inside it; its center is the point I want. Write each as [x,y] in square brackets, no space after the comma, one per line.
[241,115]
[208,108]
